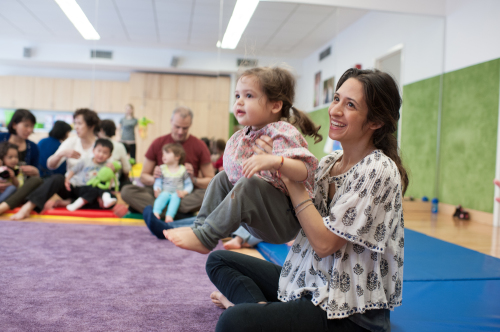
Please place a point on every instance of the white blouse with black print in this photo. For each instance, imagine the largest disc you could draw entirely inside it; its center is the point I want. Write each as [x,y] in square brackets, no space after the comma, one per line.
[367,272]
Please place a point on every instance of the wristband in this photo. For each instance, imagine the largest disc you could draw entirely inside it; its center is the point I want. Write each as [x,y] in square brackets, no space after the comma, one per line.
[305,207]
[302,203]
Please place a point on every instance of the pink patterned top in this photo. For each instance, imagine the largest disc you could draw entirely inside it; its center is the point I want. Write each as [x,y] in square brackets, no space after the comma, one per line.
[287,142]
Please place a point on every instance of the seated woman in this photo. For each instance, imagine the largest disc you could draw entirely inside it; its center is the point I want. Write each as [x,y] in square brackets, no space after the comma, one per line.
[48,146]
[71,150]
[345,269]
[20,128]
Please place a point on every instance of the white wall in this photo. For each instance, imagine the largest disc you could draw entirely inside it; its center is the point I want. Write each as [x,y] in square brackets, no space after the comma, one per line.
[472,33]
[372,37]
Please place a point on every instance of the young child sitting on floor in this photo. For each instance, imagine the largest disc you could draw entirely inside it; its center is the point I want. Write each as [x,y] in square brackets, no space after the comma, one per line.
[174,183]
[9,155]
[249,191]
[85,170]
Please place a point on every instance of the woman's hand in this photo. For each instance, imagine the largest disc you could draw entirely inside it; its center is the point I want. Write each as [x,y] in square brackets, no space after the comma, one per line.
[29,170]
[71,154]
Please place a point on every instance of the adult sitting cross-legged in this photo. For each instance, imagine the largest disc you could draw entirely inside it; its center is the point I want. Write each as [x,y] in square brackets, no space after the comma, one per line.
[197,162]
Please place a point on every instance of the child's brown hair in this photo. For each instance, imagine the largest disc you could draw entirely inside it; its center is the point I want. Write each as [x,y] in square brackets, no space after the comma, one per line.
[278,84]
[177,150]
[5,147]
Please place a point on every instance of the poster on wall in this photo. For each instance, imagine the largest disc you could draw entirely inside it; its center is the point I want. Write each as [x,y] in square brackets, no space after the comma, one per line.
[317,87]
[328,88]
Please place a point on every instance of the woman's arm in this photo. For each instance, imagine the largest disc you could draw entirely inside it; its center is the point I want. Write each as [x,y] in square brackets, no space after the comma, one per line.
[323,241]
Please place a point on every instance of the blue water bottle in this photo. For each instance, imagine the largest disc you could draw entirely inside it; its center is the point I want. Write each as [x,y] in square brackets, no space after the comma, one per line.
[434,208]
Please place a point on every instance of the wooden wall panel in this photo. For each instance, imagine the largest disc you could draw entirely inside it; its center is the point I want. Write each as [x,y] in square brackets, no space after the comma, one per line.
[152,86]
[186,87]
[63,95]
[169,87]
[223,89]
[204,88]
[82,94]
[24,91]
[119,97]
[44,97]
[137,85]
[103,92]
[7,91]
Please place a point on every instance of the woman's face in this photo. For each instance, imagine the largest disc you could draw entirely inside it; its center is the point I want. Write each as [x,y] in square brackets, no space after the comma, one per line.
[348,113]
[129,110]
[81,127]
[23,129]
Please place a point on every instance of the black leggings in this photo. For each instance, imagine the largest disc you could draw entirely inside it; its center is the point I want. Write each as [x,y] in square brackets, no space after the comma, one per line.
[55,185]
[247,280]
[130,149]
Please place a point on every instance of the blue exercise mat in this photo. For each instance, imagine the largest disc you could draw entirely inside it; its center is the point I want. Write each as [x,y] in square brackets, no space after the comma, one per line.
[274,253]
[455,306]
[427,258]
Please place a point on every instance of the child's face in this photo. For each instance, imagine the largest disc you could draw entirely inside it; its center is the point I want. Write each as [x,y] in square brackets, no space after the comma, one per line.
[169,158]
[11,159]
[101,154]
[252,107]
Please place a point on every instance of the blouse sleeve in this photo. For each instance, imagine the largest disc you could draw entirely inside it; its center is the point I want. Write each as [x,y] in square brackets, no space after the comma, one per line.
[365,209]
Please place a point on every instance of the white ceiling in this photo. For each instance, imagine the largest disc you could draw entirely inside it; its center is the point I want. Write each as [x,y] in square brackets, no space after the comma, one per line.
[276,29]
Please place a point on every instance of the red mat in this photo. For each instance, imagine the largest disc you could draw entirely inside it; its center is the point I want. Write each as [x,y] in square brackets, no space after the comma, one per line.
[62,211]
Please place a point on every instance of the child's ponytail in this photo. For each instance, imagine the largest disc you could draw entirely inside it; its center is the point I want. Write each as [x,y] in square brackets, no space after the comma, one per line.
[306,125]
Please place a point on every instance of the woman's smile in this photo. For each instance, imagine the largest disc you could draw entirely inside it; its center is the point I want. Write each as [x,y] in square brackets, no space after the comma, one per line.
[336,125]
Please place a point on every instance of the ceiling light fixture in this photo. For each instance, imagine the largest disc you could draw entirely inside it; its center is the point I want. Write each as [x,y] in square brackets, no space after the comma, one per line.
[78,18]
[243,11]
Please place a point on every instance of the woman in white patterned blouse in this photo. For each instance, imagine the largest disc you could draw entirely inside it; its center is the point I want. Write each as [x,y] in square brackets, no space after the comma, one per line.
[344,271]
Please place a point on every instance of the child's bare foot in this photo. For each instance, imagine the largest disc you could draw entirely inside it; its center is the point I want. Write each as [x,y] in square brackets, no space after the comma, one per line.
[169,219]
[184,237]
[50,204]
[157,215]
[220,300]
[24,212]
[236,243]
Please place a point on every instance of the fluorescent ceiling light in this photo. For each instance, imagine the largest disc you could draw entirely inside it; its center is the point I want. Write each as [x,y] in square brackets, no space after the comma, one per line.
[243,11]
[78,18]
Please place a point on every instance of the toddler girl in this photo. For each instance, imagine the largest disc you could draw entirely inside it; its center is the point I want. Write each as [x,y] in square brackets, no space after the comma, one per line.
[264,98]
[9,155]
[174,183]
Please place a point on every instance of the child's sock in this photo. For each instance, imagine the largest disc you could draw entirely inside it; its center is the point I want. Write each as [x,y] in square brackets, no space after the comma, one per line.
[107,200]
[76,204]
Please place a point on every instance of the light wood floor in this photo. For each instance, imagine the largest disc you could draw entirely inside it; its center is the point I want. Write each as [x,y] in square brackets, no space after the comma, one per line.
[472,235]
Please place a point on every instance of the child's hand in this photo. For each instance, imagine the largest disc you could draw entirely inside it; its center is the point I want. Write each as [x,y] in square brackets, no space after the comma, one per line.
[181,193]
[110,165]
[67,184]
[157,192]
[262,162]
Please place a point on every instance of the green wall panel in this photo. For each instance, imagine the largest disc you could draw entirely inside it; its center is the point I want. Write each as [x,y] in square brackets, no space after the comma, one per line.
[320,117]
[419,135]
[469,136]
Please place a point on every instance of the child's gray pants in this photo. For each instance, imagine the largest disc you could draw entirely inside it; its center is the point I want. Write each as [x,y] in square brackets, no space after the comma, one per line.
[266,212]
